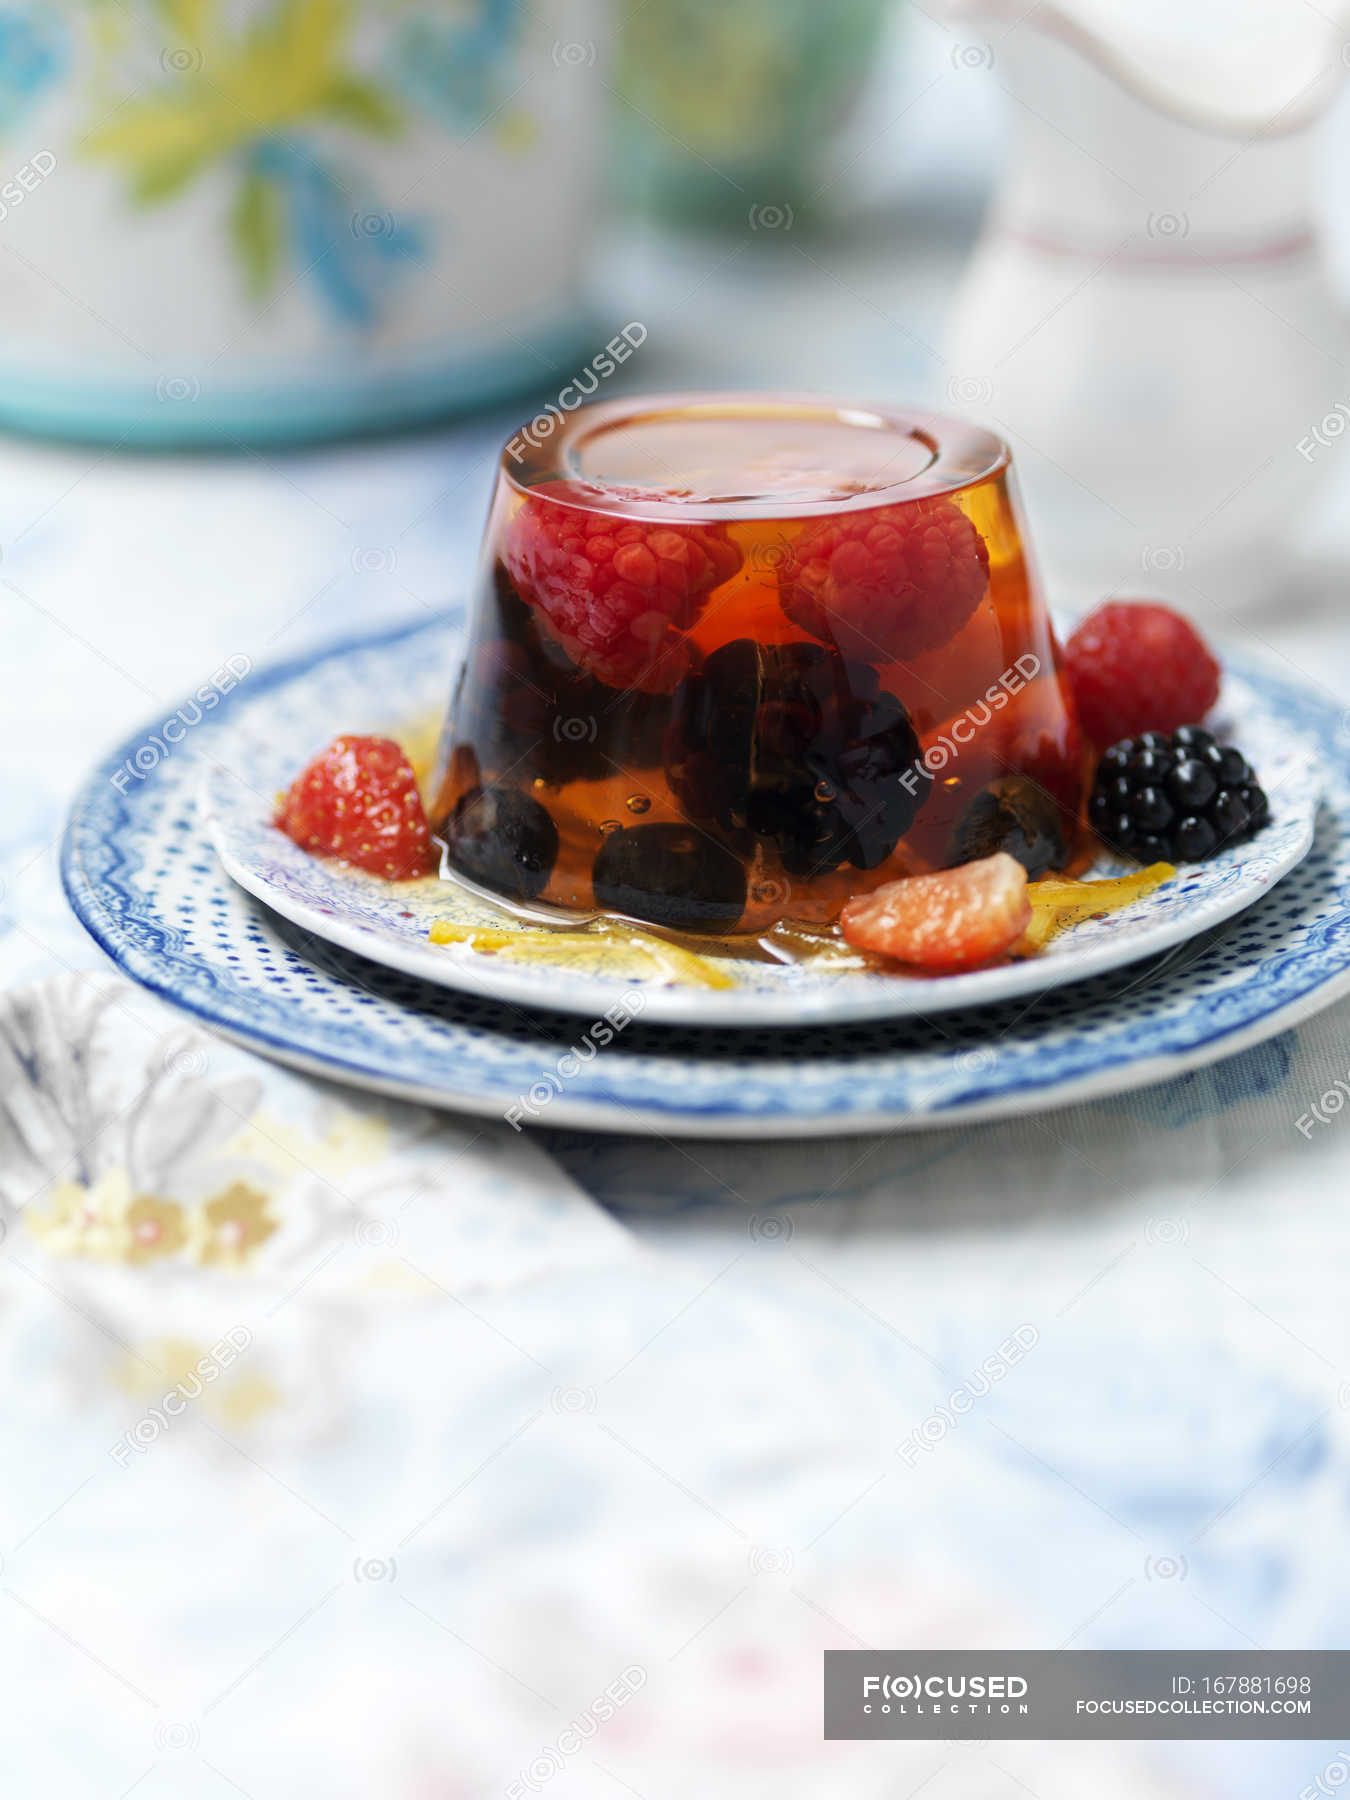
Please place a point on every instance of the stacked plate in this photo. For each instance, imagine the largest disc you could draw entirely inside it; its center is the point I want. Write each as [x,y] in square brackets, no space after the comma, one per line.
[182,879]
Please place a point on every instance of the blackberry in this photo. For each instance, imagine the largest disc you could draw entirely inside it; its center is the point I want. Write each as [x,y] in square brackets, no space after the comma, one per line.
[504,839]
[672,875]
[1181,798]
[791,744]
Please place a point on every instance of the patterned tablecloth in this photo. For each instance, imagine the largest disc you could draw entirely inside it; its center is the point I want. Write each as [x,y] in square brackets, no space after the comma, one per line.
[356,1450]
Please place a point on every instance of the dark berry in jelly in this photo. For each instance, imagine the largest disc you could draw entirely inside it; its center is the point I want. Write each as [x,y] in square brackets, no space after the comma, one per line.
[503,839]
[527,707]
[1016,816]
[673,875]
[793,744]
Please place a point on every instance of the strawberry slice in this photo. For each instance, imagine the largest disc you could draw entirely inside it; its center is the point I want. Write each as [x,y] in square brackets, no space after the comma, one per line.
[358,800]
[955,919]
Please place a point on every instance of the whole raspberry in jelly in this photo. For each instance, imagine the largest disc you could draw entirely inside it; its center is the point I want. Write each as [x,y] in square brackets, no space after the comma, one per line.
[617,594]
[358,800]
[791,744]
[1134,667]
[887,584]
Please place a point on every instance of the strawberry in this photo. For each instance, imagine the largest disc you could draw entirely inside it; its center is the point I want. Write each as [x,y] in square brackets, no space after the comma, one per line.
[955,919]
[358,800]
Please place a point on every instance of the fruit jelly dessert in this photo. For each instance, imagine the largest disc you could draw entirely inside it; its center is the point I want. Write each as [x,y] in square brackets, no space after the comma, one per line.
[714,713]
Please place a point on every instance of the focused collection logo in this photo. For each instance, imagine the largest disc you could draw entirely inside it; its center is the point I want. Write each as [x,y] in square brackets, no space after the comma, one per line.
[925,1693]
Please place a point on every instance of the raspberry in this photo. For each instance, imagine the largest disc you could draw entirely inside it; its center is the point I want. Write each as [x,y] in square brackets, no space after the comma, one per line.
[956,919]
[616,593]
[891,583]
[1176,799]
[358,800]
[1135,666]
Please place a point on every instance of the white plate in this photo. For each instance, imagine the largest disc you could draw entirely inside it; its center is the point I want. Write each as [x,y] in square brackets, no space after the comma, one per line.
[381,685]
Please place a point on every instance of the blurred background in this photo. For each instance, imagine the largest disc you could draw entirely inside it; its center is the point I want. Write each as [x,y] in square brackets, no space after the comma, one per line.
[277,279]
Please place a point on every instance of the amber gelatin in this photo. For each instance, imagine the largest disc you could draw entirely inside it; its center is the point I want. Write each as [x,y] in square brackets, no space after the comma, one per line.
[733,658]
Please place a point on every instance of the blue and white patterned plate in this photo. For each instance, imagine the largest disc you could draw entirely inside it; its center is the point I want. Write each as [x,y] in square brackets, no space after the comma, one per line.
[143,878]
[384,684]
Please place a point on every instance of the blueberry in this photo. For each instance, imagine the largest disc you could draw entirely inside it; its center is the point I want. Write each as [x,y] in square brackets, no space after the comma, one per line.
[504,839]
[1194,839]
[1191,785]
[674,875]
[1016,816]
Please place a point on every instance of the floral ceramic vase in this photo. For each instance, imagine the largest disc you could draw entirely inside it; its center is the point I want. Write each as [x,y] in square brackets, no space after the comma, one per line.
[266,219]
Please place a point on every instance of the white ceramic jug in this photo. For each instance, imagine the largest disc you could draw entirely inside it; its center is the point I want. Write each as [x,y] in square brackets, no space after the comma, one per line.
[1147,314]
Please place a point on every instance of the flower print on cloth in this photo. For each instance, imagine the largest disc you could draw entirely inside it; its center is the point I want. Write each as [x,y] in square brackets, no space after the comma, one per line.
[162,1192]
[236,1395]
[86,1122]
[273,105]
[232,1225]
[107,1221]
[142,1144]
[33,55]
